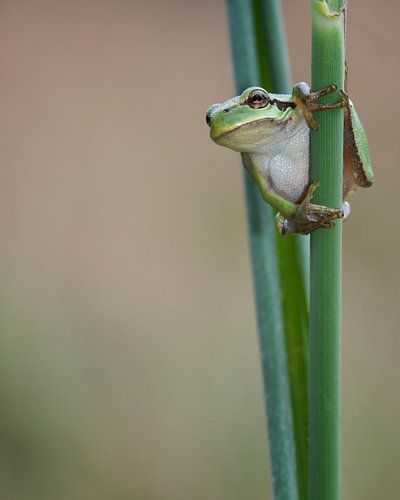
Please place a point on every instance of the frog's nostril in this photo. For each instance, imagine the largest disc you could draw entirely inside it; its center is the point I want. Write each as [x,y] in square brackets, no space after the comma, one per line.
[208,120]
[226,110]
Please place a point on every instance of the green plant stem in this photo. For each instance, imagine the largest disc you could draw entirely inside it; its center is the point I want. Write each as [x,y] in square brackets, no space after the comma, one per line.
[293,251]
[266,278]
[296,321]
[326,260]
[271,44]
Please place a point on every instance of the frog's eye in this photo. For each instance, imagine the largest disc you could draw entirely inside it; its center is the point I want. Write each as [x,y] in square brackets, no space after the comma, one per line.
[258,99]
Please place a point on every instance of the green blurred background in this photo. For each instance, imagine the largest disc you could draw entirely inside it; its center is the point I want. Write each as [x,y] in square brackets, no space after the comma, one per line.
[128,350]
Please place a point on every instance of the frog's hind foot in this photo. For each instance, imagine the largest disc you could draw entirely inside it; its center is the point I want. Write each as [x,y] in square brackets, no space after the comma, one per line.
[310,213]
[290,226]
[308,216]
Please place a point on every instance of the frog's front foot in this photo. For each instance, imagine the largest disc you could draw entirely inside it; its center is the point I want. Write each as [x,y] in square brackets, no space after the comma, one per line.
[308,216]
[306,99]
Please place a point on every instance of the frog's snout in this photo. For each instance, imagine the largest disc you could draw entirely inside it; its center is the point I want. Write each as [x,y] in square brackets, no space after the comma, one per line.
[211,112]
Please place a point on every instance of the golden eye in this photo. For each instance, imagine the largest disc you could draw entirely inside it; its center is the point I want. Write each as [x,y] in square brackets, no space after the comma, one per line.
[258,99]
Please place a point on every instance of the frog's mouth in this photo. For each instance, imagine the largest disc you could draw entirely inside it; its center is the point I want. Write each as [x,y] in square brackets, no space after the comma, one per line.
[246,128]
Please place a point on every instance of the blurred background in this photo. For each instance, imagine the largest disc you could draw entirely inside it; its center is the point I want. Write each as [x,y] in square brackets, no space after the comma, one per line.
[128,350]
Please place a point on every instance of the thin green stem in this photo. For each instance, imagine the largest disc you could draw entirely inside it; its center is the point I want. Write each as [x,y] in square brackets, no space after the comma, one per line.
[326,258]
[266,278]
[273,55]
[296,320]
[293,251]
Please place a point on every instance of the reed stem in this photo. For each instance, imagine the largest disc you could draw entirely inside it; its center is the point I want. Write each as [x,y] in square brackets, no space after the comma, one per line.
[262,234]
[326,258]
[293,250]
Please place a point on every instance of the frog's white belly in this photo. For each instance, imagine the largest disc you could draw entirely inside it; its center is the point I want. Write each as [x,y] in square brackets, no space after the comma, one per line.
[285,166]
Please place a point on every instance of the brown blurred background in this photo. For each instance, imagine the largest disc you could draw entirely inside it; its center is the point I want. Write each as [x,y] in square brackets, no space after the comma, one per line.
[128,354]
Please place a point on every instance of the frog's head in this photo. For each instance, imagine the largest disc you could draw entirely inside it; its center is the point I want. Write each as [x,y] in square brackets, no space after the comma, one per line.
[247,122]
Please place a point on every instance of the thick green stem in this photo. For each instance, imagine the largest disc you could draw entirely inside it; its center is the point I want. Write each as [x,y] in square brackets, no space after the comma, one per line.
[326,259]
[266,278]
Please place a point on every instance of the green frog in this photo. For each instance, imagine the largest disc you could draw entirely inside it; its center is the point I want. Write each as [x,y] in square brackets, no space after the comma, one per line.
[272,131]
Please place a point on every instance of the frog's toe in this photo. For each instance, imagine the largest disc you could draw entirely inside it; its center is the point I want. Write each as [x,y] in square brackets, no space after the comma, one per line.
[346,209]
[320,213]
[289,226]
[282,224]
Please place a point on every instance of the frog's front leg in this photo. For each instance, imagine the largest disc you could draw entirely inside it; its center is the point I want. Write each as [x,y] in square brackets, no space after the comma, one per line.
[306,101]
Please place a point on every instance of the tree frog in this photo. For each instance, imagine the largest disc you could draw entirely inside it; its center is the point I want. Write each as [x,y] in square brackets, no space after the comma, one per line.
[272,131]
